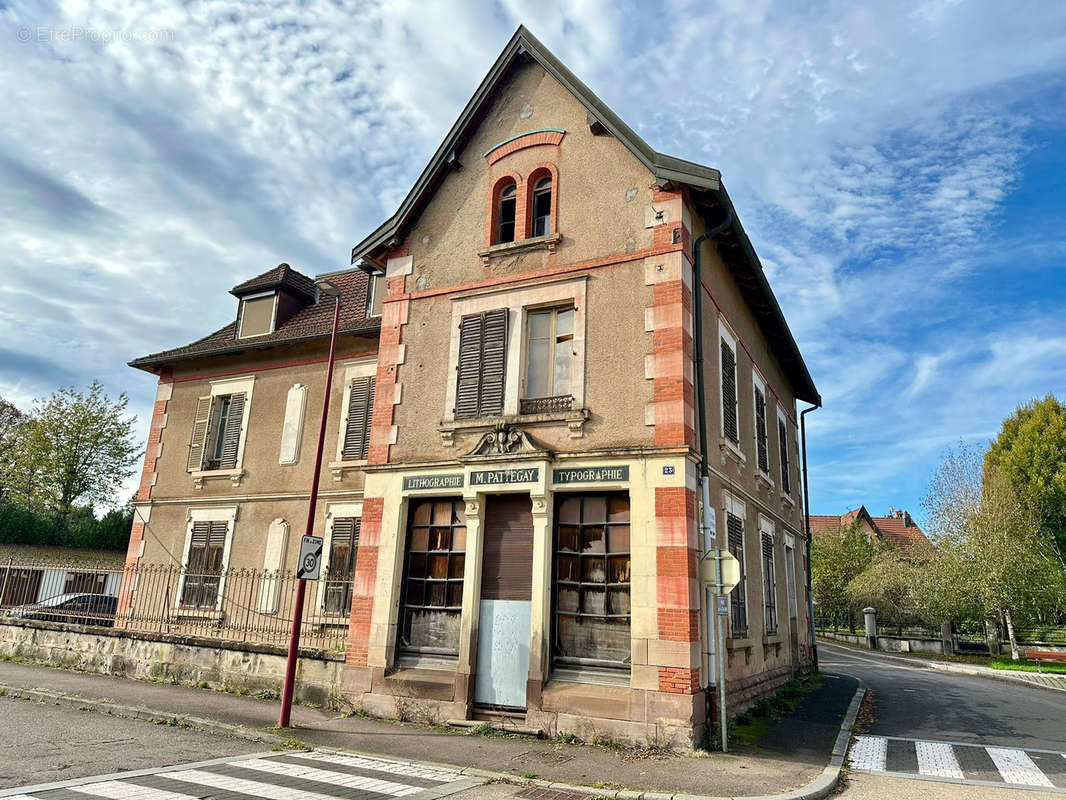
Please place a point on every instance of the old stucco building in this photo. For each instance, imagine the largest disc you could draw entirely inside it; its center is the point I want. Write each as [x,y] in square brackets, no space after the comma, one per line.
[515,460]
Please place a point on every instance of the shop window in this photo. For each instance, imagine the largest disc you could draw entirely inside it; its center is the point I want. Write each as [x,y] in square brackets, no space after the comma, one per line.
[592,582]
[549,354]
[343,546]
[433,579]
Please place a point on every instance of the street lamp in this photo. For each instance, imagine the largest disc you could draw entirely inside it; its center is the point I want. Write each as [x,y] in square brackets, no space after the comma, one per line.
[328,289]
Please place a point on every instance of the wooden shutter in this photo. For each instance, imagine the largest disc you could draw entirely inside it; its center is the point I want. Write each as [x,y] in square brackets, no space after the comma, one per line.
[493,362]
[360,411]
[482,364]
[231,436]
[738,597]
[729,394]
[782,433]
[199,434]
[762,454]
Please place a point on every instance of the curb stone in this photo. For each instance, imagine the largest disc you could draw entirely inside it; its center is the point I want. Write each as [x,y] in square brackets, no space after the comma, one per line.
[819,788]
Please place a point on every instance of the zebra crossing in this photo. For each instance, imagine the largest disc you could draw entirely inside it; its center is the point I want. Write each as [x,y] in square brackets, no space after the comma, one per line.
[316,775]
[959,763]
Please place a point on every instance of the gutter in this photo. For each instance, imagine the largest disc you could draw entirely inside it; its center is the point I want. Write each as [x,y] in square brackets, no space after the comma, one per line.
[807,527]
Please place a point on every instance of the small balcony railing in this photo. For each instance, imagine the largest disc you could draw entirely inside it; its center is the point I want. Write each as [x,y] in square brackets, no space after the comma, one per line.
[545,405]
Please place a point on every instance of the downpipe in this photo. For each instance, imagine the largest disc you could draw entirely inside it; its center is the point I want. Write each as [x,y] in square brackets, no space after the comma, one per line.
[807,529]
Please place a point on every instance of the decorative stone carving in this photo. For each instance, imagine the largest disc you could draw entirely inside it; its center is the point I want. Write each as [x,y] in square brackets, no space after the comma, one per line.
[505,439]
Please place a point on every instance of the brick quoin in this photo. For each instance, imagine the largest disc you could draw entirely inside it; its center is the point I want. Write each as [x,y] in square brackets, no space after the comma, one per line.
[366,567]
[679,680]
[675,564]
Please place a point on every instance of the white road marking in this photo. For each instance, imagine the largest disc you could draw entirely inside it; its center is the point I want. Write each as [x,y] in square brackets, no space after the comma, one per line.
[937,758]
[869,752]
[254,788]
[329,776]
[119,790]
[383,765]
[1016,767]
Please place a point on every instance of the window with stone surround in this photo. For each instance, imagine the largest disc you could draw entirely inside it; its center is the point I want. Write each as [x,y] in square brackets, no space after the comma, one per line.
[549,354]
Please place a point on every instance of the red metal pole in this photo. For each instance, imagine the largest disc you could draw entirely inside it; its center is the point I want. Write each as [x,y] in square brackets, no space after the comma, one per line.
[298,607]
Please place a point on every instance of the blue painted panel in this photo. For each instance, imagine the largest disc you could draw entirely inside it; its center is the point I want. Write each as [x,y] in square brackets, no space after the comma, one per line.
[503,653]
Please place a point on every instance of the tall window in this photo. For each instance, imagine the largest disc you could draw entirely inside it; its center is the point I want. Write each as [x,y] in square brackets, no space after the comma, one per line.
[357,425]
[203,570]
[482,361]
[505,213]
[375,291]
[343,546]
[762,451]
[738,598]
[433,578]
[549,353]
[542,207]
[592,576]
[769,583]
[257,315]
[216,433]
[782,434]
[730,430]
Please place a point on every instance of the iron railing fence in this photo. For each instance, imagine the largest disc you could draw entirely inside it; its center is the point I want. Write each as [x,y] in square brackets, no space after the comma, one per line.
[236,605]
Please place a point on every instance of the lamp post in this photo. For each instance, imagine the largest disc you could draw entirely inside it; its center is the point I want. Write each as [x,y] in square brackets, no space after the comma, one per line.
[330,290]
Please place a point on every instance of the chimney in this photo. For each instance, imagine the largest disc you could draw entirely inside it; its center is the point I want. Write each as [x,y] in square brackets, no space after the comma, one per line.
[907,523]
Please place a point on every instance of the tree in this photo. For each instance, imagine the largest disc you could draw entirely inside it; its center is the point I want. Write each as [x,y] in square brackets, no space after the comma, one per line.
[77,447]
[1030,451]
[837,557]
[892,585]
[992,555]
[11,421]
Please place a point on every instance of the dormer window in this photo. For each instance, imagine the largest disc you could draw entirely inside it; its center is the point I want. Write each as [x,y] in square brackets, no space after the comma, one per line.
[542,206]
[257,315]
[505,213]
[375,292]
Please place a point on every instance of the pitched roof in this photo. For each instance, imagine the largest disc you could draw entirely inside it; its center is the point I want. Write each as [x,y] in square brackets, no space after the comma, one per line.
[281,277]
[901,531]
[54,556]
[313,322]
[710,197]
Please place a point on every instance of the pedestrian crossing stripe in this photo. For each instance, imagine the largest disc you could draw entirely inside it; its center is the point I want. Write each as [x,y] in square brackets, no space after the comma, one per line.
[318,775]
[957,762]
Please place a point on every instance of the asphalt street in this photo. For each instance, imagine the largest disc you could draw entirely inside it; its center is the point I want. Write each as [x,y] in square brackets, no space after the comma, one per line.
[44,743]
[916,703]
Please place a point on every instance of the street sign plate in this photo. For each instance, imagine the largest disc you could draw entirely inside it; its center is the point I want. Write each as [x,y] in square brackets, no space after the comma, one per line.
[310,564]
[723,605]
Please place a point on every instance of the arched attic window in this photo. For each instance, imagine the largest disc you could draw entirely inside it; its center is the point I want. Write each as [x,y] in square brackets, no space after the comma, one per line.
[542,207]
[506,208]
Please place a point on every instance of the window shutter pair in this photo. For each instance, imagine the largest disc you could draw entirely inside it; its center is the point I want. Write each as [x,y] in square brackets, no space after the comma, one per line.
[360,413]
[782,432]
[343,541]
[767,546]
[760,431]
[205,549]
[738,603]
[729,394]
[204,424]
[482,364]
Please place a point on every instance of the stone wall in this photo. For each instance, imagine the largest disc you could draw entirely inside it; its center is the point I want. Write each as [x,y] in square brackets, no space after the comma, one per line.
[179,659]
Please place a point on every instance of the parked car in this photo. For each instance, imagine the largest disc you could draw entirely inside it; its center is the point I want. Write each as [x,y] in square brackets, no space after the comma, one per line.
[77,607]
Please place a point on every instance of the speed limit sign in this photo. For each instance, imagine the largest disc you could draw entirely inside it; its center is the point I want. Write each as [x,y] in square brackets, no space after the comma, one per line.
[310,564]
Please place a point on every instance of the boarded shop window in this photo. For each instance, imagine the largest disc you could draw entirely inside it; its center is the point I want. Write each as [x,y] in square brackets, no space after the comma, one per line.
[482,360]
[357,426]
[343,546]
[433,578]
[782,434]
[203,570]
[216,432]
[549,354]
[738,598]
[729,393]
[592,579]
[769,584]
[761,445]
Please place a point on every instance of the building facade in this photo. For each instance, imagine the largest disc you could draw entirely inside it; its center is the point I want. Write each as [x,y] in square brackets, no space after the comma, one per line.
[518,468]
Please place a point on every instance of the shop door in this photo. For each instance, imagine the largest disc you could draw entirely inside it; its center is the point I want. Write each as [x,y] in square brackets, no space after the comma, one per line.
[506,591]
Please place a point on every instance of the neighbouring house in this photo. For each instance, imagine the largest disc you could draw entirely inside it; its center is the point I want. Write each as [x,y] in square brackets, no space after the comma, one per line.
[897,529]
[34,573]
[510,501]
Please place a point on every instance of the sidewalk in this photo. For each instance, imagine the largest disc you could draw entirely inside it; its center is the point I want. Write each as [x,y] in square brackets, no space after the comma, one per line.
[1044,681]
[770,769]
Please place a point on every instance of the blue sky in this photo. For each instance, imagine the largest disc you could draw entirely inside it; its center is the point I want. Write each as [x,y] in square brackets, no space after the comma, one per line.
[898,165]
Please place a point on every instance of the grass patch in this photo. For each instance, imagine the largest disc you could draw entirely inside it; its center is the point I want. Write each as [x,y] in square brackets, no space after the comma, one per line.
[1024,665]
[292,743]
[529,775]
[749,728]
